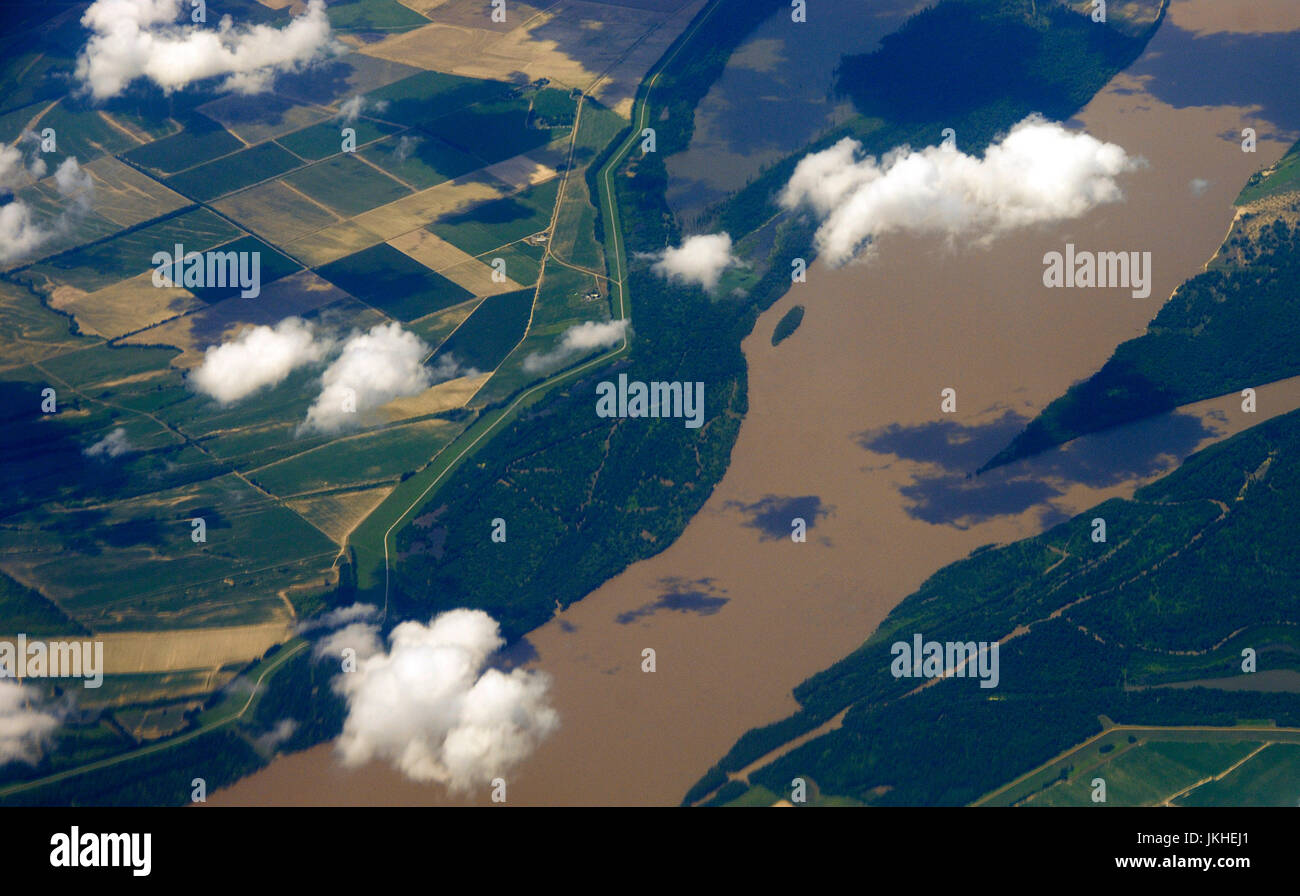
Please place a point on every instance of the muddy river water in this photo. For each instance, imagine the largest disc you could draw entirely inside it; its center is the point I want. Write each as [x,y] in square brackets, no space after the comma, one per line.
[845,430]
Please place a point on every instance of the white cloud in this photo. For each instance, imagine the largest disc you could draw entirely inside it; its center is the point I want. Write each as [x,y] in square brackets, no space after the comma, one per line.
[1039,172]
[577,339]
[351,108]
[1199,185]
[373,368]
[18,169]
[115,444]
[279,733]
[405,146]
[449,367]
[431,707]
[133,39]
[26,729]
[21,233]
[340,616]
[700,259]
[258,357]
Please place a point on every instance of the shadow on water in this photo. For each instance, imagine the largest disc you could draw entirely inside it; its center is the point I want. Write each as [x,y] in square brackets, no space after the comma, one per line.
[1251,70]
[949,494]
[683,596]
[772,514]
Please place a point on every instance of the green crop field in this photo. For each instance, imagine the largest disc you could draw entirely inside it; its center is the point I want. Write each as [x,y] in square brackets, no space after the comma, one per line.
[201,141]
[1270,778]
[326,139]
[487,225]
[495,327]
[493,131]
[393,282]
[346,184]
[233,172]
[419,160]
[101,264]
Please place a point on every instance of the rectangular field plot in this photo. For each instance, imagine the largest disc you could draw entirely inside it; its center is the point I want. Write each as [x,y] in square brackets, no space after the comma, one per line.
[127,197]
[233,172]
[419,160]
[332,243]
[387,16]
[201,141]
[426,96]
[337,513]
[101,264]
[493,131]
[1269,778]
[276,211]
[472,274]
[262,116]
[486,225]
[371,457]
[346,184]
[484,340]
[419,209]
[125,307]
[272,265]
[342,77]
[1148,773]
[326,138]
[393,282]
[134,567]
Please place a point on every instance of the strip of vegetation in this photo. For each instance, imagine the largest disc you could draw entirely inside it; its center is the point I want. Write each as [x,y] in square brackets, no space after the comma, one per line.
[1104,622]
[1234,326]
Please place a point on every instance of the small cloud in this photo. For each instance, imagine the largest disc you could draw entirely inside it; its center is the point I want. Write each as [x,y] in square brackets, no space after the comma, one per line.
[259,357]
[26,727]
[352,108]
[580,338]
[405,146]
[700,259]
[1199,185]
[115,444]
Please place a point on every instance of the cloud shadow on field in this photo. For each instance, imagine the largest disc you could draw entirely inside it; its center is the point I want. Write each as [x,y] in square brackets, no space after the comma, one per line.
[683,596]
[771,515]
[949,494]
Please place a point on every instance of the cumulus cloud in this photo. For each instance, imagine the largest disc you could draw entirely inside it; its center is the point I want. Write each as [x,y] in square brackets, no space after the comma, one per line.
[132,39]
[26,728]
[258,357]
[373,368]
[577,339]
[22,232]
[115,444]
[1039,172]
[699,259]
[430,705]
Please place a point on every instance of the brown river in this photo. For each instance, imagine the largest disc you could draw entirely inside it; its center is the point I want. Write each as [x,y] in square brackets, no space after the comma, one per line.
[845,430]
